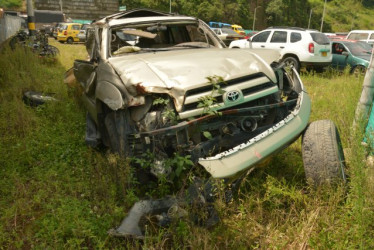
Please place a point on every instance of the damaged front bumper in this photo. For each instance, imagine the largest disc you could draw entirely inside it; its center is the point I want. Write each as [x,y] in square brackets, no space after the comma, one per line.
[241,157]
[248,153]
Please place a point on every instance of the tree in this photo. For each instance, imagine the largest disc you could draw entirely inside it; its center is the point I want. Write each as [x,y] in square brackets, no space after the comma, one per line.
[11,4]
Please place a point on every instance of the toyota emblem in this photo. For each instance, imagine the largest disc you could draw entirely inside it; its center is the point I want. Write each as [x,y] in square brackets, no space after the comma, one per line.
[233,96]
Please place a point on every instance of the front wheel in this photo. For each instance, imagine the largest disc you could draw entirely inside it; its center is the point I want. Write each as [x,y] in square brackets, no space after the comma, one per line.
[290,62]
[115,128]
[359,70]
[323,153]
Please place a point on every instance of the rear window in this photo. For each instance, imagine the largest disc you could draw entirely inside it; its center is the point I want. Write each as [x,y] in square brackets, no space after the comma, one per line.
[358,36]
[75,27]
[320,38]
[295,37]
[279,37]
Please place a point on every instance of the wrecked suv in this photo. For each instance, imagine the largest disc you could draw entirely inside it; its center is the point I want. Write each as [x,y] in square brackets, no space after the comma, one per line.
[166,84]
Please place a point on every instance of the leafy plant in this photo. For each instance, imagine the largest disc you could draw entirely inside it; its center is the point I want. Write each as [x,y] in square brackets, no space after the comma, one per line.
[209,102]
[168,110]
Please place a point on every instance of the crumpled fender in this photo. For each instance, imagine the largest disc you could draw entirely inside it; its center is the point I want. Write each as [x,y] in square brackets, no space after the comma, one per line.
[112,91]
[109,94]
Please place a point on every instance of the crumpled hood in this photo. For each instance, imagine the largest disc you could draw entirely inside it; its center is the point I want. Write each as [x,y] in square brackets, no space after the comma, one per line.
[176,71]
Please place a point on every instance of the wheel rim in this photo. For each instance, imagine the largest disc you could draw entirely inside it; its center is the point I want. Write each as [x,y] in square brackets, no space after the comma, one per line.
[289,63]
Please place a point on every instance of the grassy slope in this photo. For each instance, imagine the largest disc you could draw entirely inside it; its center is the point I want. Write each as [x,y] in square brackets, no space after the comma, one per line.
[55,192]
[344,15]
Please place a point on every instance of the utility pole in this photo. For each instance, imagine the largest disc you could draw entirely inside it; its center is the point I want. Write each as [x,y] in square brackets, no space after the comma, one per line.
[323,15]
[30,18]
[310,17]
[170,6]
[254,18]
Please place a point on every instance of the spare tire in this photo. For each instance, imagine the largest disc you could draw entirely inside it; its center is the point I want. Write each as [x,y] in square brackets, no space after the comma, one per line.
[323,153]
[33,98]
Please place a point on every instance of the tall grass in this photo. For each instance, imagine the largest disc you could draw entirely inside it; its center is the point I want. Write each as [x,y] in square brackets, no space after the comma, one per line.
[55,192]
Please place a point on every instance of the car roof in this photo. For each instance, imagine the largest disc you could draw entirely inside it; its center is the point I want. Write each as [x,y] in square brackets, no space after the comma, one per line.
[141,14]
[152,18]
[290,28]
[361,31]
[71,23]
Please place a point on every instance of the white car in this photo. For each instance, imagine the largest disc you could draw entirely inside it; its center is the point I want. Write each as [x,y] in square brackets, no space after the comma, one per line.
[362,35]
[227,35]
[298,47]
[82,33]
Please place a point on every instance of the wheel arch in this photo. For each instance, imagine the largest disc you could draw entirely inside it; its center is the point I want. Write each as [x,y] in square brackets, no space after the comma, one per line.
[109,94]
[290,55]
[359,65]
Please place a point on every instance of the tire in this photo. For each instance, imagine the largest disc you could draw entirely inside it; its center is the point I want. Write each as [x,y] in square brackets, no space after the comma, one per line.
[33,98]
[291,62]
[323,154]
[358,70]
[70,40]
[115,126]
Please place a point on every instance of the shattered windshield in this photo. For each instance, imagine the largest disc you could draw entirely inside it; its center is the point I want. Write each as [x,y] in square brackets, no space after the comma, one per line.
[158,37]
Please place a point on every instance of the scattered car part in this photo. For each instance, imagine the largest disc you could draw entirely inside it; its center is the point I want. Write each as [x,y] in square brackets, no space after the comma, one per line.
[323,155]
[200,195]
[39,45]
[33,98]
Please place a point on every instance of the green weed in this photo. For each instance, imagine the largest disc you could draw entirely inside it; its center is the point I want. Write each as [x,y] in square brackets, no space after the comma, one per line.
[58,193]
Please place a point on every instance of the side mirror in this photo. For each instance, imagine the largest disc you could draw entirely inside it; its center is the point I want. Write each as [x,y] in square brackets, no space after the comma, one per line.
[345,53]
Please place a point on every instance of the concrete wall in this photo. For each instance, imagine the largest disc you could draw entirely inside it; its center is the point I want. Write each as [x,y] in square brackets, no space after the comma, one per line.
[80,9]
[9,25]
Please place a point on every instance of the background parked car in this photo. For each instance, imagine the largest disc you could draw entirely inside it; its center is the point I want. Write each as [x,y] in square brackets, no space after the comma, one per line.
[82,33]
[227,35]
[362,35]
[68,32]
[219,25]
[238,29]
[55,29]
[298,47]
[355,54]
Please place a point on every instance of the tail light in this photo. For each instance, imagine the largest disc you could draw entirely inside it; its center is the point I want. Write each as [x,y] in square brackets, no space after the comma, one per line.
[311,47]
[65,33]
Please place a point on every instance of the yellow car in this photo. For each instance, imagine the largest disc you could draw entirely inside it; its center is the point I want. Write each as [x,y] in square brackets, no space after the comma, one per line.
[238,29]
[69,33]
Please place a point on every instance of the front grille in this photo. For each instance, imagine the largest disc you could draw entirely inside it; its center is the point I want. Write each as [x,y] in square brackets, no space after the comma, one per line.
[232,82]
[248,85]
